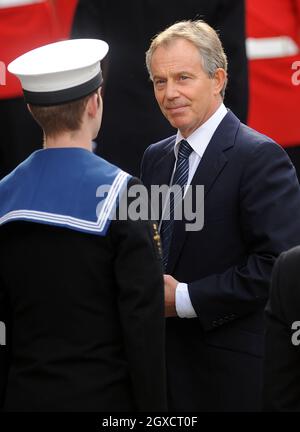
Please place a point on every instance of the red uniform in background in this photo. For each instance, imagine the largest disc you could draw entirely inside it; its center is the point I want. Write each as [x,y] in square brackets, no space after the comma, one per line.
[273,30]
[25,25]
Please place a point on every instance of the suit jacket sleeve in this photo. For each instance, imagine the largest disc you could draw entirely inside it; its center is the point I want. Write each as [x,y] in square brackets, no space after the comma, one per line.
[138,269]
[269,197]
[281,361]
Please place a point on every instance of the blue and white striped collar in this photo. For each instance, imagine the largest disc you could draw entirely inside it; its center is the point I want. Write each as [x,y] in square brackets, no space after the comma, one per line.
[59,187]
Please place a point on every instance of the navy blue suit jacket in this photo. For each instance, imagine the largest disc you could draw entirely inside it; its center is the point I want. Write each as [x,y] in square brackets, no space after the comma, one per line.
[251,215]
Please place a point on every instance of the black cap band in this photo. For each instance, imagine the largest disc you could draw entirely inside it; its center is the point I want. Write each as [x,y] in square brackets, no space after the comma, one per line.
[63,96]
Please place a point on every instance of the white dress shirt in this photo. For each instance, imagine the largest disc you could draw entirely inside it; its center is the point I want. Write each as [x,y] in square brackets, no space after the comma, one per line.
[199,140]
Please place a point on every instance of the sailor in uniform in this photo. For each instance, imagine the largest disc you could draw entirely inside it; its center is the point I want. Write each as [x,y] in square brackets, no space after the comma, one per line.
[81,292]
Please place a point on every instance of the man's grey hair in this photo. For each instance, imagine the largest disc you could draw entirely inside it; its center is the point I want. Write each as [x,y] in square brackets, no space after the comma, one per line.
[201,35]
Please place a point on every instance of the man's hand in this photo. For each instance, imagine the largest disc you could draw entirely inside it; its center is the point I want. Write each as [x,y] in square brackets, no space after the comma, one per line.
[170,289]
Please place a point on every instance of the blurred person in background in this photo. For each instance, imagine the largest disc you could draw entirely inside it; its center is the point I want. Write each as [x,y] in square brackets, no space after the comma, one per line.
[273,49]
[281,360]
[24,25]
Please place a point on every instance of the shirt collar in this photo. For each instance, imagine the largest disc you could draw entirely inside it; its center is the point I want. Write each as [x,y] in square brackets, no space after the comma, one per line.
[200,138]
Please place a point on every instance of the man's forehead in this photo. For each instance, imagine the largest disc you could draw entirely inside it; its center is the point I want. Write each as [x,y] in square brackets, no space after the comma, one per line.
[176,58]
[177,49]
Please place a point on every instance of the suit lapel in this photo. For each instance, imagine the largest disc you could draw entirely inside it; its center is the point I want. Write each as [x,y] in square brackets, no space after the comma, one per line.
[210,166]
[164,167]
[162,172]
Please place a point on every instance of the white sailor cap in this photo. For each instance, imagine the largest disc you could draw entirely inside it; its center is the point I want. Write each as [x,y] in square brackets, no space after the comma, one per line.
[60,72]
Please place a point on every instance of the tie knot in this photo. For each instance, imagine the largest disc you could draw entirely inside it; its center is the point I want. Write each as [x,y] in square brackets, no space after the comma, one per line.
[184,150]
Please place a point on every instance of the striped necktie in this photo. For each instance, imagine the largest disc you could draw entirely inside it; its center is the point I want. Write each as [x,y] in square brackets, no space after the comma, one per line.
[180,178]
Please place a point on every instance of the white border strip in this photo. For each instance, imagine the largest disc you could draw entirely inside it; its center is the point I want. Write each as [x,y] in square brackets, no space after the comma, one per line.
[273,47]
[13,3]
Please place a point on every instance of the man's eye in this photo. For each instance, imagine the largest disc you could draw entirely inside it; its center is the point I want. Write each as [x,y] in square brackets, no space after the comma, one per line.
[183,77]
[159,82]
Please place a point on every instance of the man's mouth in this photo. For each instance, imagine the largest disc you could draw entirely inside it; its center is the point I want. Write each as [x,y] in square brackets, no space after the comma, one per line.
[176,109]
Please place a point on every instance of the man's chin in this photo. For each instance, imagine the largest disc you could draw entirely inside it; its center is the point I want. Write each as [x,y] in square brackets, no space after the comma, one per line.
[177,124]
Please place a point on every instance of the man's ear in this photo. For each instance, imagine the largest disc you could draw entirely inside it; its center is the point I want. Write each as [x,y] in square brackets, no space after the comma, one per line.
[98,97]
[219,80]
[93,105]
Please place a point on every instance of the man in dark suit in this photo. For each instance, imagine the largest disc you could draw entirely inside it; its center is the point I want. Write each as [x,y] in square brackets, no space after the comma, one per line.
[81,292]
[282,347]
[217,278]
[128,97]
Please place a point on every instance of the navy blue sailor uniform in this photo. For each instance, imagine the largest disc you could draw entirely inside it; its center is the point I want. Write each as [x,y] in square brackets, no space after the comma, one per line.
[81,293]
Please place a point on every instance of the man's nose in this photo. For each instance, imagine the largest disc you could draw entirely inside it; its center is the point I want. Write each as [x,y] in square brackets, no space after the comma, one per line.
[171,90]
